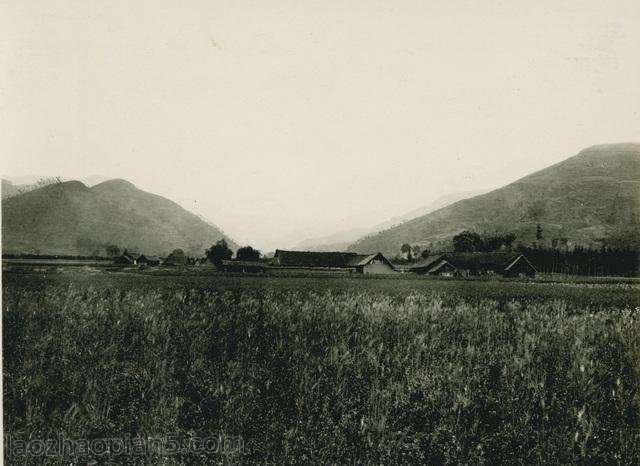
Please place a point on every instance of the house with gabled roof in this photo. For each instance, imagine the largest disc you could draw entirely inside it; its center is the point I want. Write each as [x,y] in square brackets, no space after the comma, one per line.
[519,266]
[435,265]
[149,260]
[127,258]
[475,263]
[374,263]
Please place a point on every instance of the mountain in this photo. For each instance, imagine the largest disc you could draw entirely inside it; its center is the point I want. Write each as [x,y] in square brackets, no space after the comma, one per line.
[14,185]
[341,240]
[590,199]
[9,189]
[71,218]
[439,203]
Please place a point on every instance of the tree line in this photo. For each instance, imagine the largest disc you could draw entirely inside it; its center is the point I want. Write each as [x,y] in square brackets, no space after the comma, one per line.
[217,253]
[221,251]
[584,261]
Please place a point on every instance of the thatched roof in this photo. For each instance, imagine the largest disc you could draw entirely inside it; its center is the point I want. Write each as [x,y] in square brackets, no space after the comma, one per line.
[323,259]
[496,261]
[364,259]
[439,265]
[521,257]
[427,262]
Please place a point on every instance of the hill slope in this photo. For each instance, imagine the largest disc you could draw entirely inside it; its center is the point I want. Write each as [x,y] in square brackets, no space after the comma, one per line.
[70,218]
[341,240]
[589,199]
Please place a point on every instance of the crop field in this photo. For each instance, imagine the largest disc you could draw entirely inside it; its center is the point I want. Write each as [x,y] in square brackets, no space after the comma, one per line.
[317,370]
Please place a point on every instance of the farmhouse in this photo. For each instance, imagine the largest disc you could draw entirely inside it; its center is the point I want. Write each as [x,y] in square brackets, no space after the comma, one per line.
[333,261]
[149,260]
[475,263]
[127,258]
[519,266]
[135,258]
[177,257]
[434,265]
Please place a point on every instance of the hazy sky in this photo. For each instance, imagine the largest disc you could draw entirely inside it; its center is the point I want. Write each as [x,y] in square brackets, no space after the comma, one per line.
[273,117]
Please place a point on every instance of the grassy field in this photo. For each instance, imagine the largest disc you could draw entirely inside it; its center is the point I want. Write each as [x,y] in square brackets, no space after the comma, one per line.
[311,370]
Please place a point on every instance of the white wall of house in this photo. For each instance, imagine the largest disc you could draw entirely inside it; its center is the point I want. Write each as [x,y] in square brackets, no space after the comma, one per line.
[376,266]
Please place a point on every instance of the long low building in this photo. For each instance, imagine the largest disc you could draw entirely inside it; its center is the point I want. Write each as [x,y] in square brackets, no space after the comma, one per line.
[374,263]
[243,266]
[475,263]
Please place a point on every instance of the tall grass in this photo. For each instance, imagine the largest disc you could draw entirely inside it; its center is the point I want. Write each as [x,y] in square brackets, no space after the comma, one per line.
[327,376]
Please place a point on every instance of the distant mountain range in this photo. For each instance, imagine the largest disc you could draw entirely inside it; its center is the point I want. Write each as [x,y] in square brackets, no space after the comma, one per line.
[341,240]
[70,218]
[591,199]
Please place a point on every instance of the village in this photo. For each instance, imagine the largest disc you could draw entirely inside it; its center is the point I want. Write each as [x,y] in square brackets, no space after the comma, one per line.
[449,264]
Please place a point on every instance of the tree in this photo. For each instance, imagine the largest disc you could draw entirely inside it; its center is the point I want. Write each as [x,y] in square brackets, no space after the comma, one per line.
[425,253]
[415,251]
[496,242]
[492,243]
[112,250]
[538,232]
[405,249]
[509,238]
[219,252]
[467,241]
[247,253]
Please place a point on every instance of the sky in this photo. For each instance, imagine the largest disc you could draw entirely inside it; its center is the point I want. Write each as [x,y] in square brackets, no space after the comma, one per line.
[283,120]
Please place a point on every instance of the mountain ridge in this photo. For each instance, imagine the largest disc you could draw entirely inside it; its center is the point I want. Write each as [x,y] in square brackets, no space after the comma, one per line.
[71,218]
[589,199]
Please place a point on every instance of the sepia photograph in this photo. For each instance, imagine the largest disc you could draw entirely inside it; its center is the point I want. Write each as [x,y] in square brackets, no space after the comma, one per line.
[306,233]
